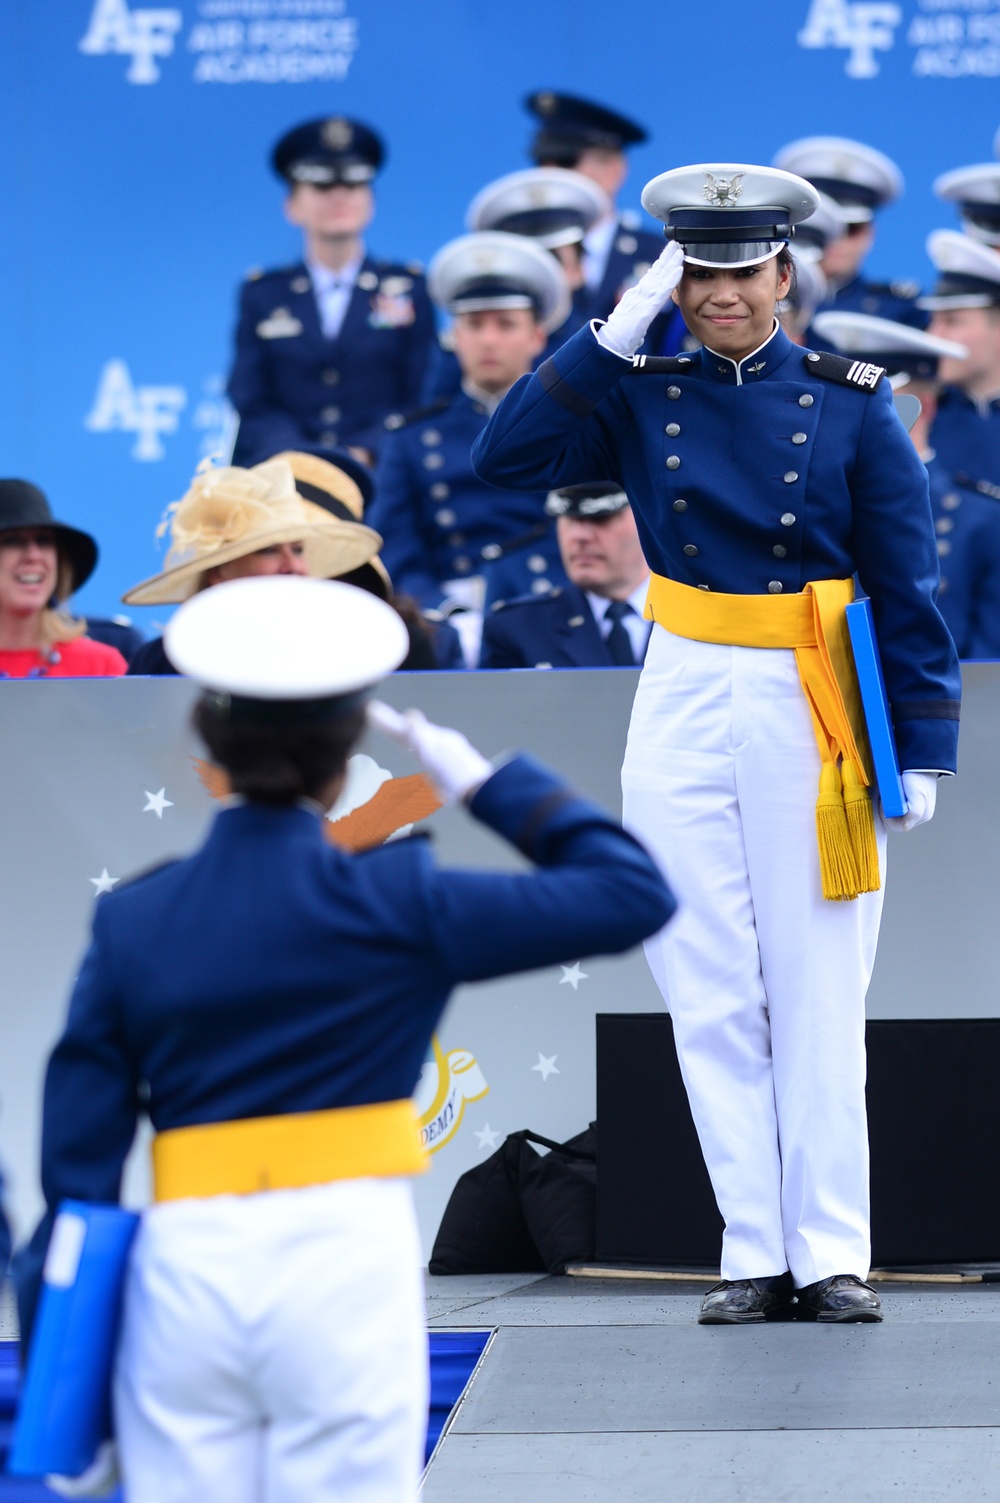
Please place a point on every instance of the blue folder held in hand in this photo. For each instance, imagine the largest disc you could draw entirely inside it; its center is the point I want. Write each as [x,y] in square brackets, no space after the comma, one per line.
[875,703]
[65,1409]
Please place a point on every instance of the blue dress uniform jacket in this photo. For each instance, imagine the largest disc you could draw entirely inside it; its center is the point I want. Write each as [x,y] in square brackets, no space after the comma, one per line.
[965,435]
[436,516]
[294,388]
[967,523]
[893,300]
[551,631]
[271,973]
[754,478]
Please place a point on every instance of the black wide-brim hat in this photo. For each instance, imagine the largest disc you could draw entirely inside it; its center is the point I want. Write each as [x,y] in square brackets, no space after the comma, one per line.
[24,505]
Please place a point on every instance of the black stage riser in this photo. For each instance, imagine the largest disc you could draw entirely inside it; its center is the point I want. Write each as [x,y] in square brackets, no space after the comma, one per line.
[934,1125]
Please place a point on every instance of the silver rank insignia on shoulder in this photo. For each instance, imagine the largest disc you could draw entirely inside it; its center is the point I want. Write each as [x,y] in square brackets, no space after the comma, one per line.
[337,133]
[722,192]
[279,325]
[864,374]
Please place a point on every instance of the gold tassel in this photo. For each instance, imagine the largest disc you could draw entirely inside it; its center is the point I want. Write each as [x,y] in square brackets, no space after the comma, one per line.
[836,856]
[861,826]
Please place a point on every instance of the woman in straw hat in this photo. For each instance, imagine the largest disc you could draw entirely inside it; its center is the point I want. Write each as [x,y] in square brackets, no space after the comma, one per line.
[42,563]
[234,524]
[270,1000]
[764,477]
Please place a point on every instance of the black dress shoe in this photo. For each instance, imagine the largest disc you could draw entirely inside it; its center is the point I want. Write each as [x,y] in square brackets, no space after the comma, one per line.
[745,1302]
[840,1298]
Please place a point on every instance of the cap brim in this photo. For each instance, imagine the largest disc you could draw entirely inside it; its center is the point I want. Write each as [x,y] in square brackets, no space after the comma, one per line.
[733,256]
[331,548]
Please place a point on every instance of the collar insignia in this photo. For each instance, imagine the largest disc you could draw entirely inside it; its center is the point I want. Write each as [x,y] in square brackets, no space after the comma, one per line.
[753,369]
[722,192]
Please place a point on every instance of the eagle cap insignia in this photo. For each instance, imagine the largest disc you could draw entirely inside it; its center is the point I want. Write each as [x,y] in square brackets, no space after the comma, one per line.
[337,133]
[722,192]
[546,104]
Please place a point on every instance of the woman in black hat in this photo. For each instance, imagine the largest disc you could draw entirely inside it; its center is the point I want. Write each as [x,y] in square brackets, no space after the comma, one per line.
[42,562]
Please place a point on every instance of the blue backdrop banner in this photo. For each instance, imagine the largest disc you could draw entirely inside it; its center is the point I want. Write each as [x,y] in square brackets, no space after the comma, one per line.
[136,195]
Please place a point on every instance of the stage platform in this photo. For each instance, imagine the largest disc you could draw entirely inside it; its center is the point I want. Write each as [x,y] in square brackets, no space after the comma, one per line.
[605,1391]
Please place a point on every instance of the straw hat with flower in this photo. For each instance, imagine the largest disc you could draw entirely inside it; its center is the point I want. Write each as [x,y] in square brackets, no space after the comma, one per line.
[228,513]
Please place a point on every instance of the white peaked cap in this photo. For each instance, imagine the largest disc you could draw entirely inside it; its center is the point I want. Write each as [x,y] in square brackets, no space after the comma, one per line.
[285,637]
[969,272]
[534,193]
[976,191]
[853,173]
[729,214]
[493,269]
[864,334]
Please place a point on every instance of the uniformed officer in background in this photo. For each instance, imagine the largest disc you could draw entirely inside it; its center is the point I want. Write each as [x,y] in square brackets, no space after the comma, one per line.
[594,621]
[593,139]
[966,520]
[326,348]
[445,530]
[965,305]
[975,192]
[861,181]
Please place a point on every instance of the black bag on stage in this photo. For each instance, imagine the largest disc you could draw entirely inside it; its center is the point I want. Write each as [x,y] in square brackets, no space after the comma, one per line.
[520,1211]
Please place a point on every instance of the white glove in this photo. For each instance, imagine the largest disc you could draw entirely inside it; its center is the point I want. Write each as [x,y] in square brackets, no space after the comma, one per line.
[98,1481]
[626,327]
[921,796]
[454,765]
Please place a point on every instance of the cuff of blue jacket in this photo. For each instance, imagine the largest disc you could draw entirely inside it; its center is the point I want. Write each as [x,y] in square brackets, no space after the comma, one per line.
[927,733]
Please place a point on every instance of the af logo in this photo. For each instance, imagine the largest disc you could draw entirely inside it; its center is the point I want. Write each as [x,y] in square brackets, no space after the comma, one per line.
[863,27]
[146,411]
[143,35]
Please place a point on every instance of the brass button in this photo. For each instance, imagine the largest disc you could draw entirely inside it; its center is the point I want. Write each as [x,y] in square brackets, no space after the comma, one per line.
[775,587]
[673,463]
[791,476]
[463,565]
[440,491]
[430,437]
[672,430]
[812,358]
[330,415]
[806,400]
[537,563]
[944,524]
[680,504]
[944,547]
[673,392]
[799,438]
[433,461]
[951,501]
[329,377]
[779,550]
[788,519]
[690,550]
[445,517]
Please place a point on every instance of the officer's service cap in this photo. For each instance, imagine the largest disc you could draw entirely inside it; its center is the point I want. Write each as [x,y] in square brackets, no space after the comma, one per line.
[902,350]
[311,646]
[494,270]
[968,272]
[598,498]
[860,178]
[976,191]
[549,204]
[327,151]
[729,213]
[814,234]
[570,126]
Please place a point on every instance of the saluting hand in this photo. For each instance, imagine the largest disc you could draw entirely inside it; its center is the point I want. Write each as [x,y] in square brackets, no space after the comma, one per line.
[452,762]
[921,797]
[626,328]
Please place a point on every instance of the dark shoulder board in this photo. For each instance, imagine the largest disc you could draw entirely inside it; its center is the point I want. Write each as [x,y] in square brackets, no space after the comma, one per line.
[860,374]
[662,365]
[397,420]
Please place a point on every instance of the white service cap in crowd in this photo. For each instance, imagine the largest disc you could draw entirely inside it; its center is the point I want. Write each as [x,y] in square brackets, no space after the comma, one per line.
[857,176]
[551,205]
[814,234]
[899,347]
[968,272]
[729,214]
[493,269]
[976,191]
[286,638]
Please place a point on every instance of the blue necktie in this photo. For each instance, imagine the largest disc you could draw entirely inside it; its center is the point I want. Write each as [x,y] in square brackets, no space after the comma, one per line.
[618,640]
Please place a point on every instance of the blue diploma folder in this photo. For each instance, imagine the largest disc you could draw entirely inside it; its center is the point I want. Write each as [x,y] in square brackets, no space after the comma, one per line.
[875,703]
[65,1408]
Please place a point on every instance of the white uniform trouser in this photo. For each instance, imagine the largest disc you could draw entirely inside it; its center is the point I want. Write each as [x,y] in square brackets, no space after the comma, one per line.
[764,980]
[273,1349]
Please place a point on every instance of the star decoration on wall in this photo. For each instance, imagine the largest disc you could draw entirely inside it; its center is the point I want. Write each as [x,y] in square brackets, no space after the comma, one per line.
[572,974]
[547,1066]
[157,802]
[488,1137]
[103,883]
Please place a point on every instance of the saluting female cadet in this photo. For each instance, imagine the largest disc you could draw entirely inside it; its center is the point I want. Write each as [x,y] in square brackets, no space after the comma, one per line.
[270,1001]
[763,476]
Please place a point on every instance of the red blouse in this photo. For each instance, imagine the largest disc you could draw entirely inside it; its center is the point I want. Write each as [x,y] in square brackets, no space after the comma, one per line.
[80,658]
